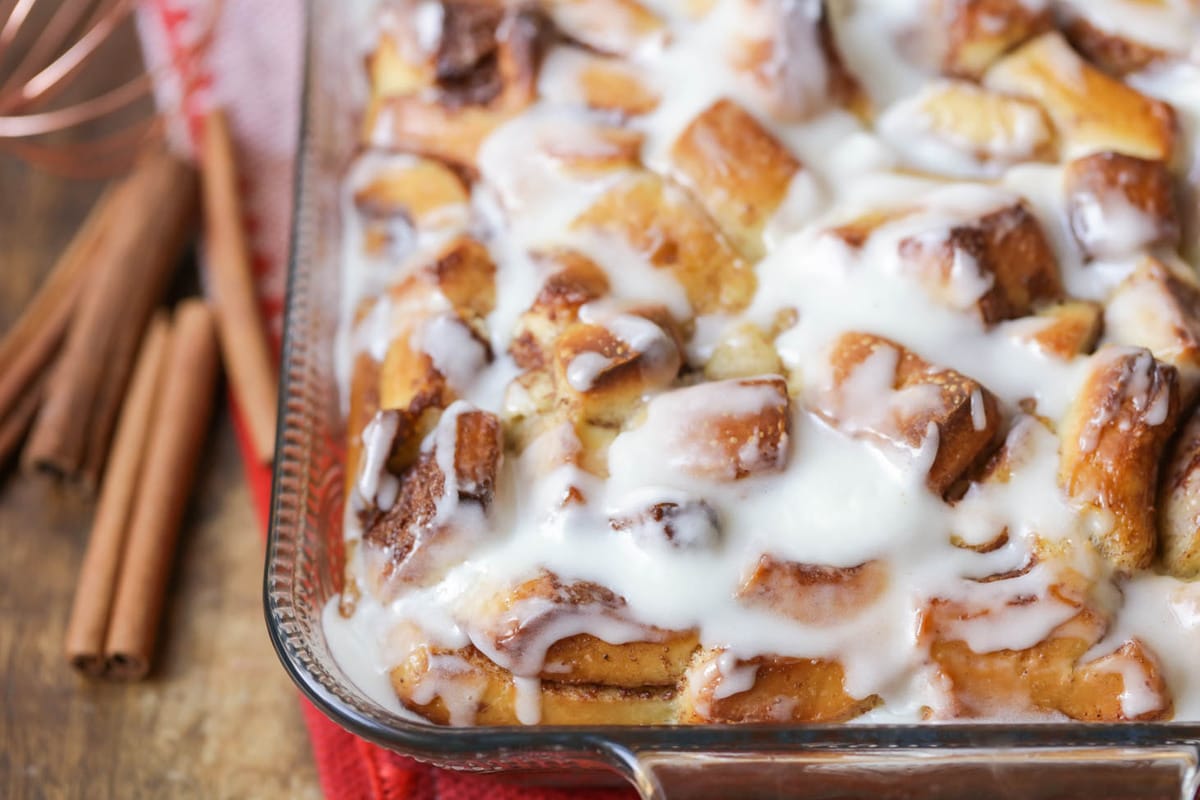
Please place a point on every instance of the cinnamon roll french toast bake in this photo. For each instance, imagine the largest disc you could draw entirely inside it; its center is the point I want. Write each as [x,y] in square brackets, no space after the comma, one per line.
[712,361]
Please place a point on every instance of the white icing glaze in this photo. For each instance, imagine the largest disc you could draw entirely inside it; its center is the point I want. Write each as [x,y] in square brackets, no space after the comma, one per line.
[830,497]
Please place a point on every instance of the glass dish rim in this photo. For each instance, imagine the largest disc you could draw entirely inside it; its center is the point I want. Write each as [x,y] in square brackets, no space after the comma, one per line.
[464,747]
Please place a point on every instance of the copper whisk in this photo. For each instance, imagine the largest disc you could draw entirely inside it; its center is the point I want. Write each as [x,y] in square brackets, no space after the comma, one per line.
[42,53]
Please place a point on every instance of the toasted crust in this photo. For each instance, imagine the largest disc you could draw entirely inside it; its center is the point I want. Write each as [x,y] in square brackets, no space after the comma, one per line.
[484,72]
[961,128]
[776,57]
[611,86]
[1111,442]
[464,687]
[957,404]
[727,445]
[421,193]
[668,229]
[1050,677]
[1119,205]
[811,593]
[1179,504]
[407,544]
[1158,307]
[977,32]
[602,370]
[1091,111]
[518,625]
[1115,54]
[781,690]
[738,170]
[617,27]
[1066,329]
[1006,245]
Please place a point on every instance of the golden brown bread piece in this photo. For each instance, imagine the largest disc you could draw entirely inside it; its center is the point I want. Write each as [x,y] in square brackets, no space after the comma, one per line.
[679,523]
[1179,503]
[743,352]
[776,689]
[1158,307]
[421,535]
[1115,52]
[463,687]
[408,195]
[1065,329]
[974,33]
[610,85]
[602,149]
[573,280]
[908,395]
[1120,204]
[1111,442]
[1050,676]
[484,70]
[603,369]
[1091,111]
[532,627]
[778,52]
[857,231]
[616,27]
[738,170]
[662,223]
[959,128]
[813,594]
[727,430]
[1006,246]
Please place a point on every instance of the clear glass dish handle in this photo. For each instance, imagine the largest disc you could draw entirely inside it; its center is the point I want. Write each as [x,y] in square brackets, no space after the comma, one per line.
[978,774]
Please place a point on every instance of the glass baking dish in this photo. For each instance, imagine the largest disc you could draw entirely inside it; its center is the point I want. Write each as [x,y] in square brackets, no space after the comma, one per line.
[304,567]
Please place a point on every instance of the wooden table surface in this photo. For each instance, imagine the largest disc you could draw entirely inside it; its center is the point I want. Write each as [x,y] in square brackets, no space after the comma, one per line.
[218,717]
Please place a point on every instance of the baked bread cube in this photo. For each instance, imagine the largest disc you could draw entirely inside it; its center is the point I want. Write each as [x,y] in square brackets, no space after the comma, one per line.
[603,368]
[719,687]
[409,194]
[461,686]
[680,522]
[790,58]
[1063,330]
[518,624]
[1005,249]
[482,70]
[744,351]
[1050,677]
[1158,307]
[573,279]
[974,33]
[1179,503]
[1091,111]
[884,392]
[435,516]
[667,228]
[1112,440]
[961,129]
[722,431]
[813,594]
[615,27]
[1111,42]
[737,169]
[1120,205]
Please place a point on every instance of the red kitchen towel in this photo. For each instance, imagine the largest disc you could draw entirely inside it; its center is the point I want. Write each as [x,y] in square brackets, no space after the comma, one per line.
[251,66]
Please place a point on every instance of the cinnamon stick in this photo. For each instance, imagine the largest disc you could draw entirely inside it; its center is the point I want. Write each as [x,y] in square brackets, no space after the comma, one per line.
[175,443]
[28,346]
[244,346]
[15,424]
[95,589]
[130,266]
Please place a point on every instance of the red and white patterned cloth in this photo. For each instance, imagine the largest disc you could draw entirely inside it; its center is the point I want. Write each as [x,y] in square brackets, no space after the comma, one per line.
[252,67]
